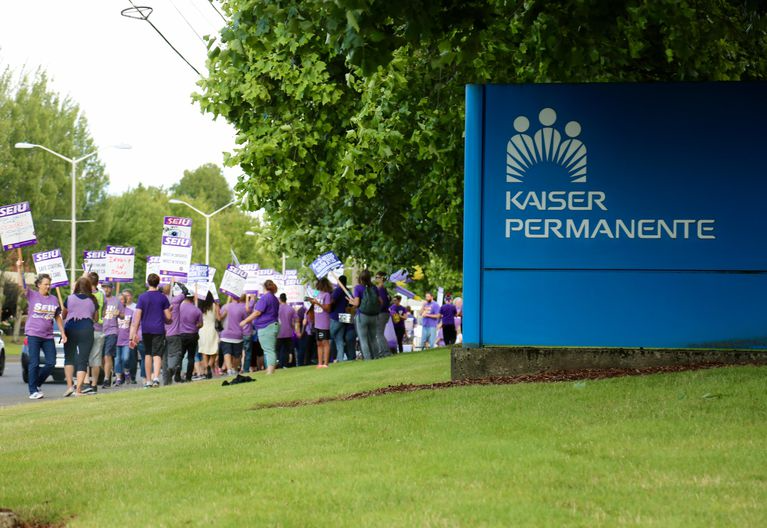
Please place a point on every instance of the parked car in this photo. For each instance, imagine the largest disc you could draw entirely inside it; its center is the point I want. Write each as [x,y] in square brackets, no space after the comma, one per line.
[2,354]
[58,370]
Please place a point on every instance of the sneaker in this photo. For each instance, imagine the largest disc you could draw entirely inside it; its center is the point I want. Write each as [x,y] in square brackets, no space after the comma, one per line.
[107,384]
[88,388]
[147,385]
[209,375]
[70,391]
[118,382]
[231,372]
[197,377]
[156,382]
[36,395]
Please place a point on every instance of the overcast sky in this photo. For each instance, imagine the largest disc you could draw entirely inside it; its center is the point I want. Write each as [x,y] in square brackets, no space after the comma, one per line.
[129,83]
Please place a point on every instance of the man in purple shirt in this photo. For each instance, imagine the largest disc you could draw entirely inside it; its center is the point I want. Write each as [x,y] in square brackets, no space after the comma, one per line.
[398,316]
[429,318]
[288,325]
[152,311]
[448,313]
[233,313]
[190,322]
[171,360]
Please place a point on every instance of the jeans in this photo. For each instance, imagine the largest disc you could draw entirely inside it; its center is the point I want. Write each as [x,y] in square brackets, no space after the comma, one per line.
[306,349]
[284,349]
[247,348]
[188,349]
[351,342]
[110,345]
[367,328]
[137,359]
[428,333]
[399,331]
[268,339]
[383,344]
[37,375]
[448,333]
[122,359]
[338,337]
[171,360]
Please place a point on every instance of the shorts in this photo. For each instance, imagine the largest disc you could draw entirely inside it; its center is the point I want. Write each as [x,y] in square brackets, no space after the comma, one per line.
[232,349]
[154,344]
[321,335]
[94,359]
[110,345]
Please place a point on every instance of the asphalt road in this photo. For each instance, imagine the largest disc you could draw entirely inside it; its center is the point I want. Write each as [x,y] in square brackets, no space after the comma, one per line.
[14,391]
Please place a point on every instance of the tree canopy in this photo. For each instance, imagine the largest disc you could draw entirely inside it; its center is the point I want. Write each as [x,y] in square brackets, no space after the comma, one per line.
[350,113]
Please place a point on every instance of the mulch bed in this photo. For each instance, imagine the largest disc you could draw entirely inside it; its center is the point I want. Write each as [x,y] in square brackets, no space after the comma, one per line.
[543,377]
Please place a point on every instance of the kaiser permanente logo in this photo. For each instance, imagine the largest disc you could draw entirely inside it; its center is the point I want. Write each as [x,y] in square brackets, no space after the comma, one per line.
[563,150]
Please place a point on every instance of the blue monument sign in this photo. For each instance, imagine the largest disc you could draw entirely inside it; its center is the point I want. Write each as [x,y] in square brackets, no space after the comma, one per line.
[616,215]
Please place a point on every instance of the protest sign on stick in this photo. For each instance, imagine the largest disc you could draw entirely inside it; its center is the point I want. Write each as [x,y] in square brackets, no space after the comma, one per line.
[16,226]
[325,264]
[177,227]
[233,282]
[251,283]
[198,280]
[119,263]
[50,262]
[95,260]
[176,257]
[153,266]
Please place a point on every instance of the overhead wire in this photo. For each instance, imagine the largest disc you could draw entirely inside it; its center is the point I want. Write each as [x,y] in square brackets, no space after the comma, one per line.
[214,28]
[217,11]
[146,18]
[187,22]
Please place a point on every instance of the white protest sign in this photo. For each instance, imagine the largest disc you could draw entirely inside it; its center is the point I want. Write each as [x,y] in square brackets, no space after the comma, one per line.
[325,263]
[177,227]
[50,262]
[251,283]
[176,257]
[233,283]
[120,261]
[198,281]
[440,295]
[294,289]
[95,260]
[153,266]
[16,226]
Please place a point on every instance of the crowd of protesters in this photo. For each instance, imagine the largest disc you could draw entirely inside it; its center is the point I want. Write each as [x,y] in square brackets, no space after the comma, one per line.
[104,332]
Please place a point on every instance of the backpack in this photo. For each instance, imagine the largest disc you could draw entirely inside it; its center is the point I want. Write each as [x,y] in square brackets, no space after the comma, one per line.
[370,304]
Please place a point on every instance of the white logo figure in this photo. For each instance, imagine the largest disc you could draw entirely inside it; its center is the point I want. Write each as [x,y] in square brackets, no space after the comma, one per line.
[546,145]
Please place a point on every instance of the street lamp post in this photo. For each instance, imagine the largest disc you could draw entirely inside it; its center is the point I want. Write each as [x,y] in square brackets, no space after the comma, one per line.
[207,222]
[73,220]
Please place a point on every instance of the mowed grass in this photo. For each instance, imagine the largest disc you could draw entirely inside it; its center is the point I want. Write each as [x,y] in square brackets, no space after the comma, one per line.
[686,449]
[11,349]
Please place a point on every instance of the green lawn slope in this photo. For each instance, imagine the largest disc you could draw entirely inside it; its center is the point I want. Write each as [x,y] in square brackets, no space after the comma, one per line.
[686,449]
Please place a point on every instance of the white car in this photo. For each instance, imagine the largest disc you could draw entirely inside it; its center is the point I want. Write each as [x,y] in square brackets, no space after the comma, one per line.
[58,369]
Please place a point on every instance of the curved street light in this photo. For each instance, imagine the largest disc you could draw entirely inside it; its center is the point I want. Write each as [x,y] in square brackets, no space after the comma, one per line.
[207,222]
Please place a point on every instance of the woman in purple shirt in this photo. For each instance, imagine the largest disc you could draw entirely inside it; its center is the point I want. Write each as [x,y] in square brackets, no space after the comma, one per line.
[80,310]
[43,309]
[322,306]
[288,324]
[233,313]
[190,322]
[122,358]
[265,321]
[365,298]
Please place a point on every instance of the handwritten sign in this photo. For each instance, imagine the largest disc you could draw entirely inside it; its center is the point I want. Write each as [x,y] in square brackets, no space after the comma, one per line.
[95,260]
[233,283]
[177,227]
[294,289]
[176,257]
[251,283]
[50,262]
[16,226]
[325,263]
[120,261]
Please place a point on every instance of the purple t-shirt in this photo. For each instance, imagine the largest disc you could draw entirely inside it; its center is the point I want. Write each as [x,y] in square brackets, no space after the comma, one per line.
[234,313]
[42,310]
[190,317]
[174,328]
[384,296]
[123,326]
[340,302]
[269,307]
[153,304]
[287,317]
[79,307]
[398,309]
[433,309]
[448,312]
[111,311]
[321,317]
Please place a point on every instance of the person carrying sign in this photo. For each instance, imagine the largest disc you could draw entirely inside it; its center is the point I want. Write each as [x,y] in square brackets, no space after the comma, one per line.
[43,309]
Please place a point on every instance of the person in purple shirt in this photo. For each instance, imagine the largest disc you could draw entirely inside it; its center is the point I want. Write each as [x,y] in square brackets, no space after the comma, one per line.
[233,313]
[398,315]
[383,316]
[171,359]
[429,319]
[448,311]
[322,321]
[265,321]
[190,322]
[42,309]
[152,312]
[288,320]
[365,298]
[111,312]
[80,312]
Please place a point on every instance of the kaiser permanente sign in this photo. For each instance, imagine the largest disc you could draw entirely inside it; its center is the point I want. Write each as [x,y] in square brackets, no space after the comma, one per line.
[616,215]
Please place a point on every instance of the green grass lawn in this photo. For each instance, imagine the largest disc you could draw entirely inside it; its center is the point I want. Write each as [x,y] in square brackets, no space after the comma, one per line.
[686,449]
[12,349]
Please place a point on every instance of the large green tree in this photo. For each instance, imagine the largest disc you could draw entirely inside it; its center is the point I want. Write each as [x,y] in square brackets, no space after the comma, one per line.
[350,113]
[206,182]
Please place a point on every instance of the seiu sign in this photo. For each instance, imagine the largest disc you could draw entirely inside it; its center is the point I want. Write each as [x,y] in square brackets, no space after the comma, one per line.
[177,221]
[174,241]
[13,209]
[116,250]
[46,255]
